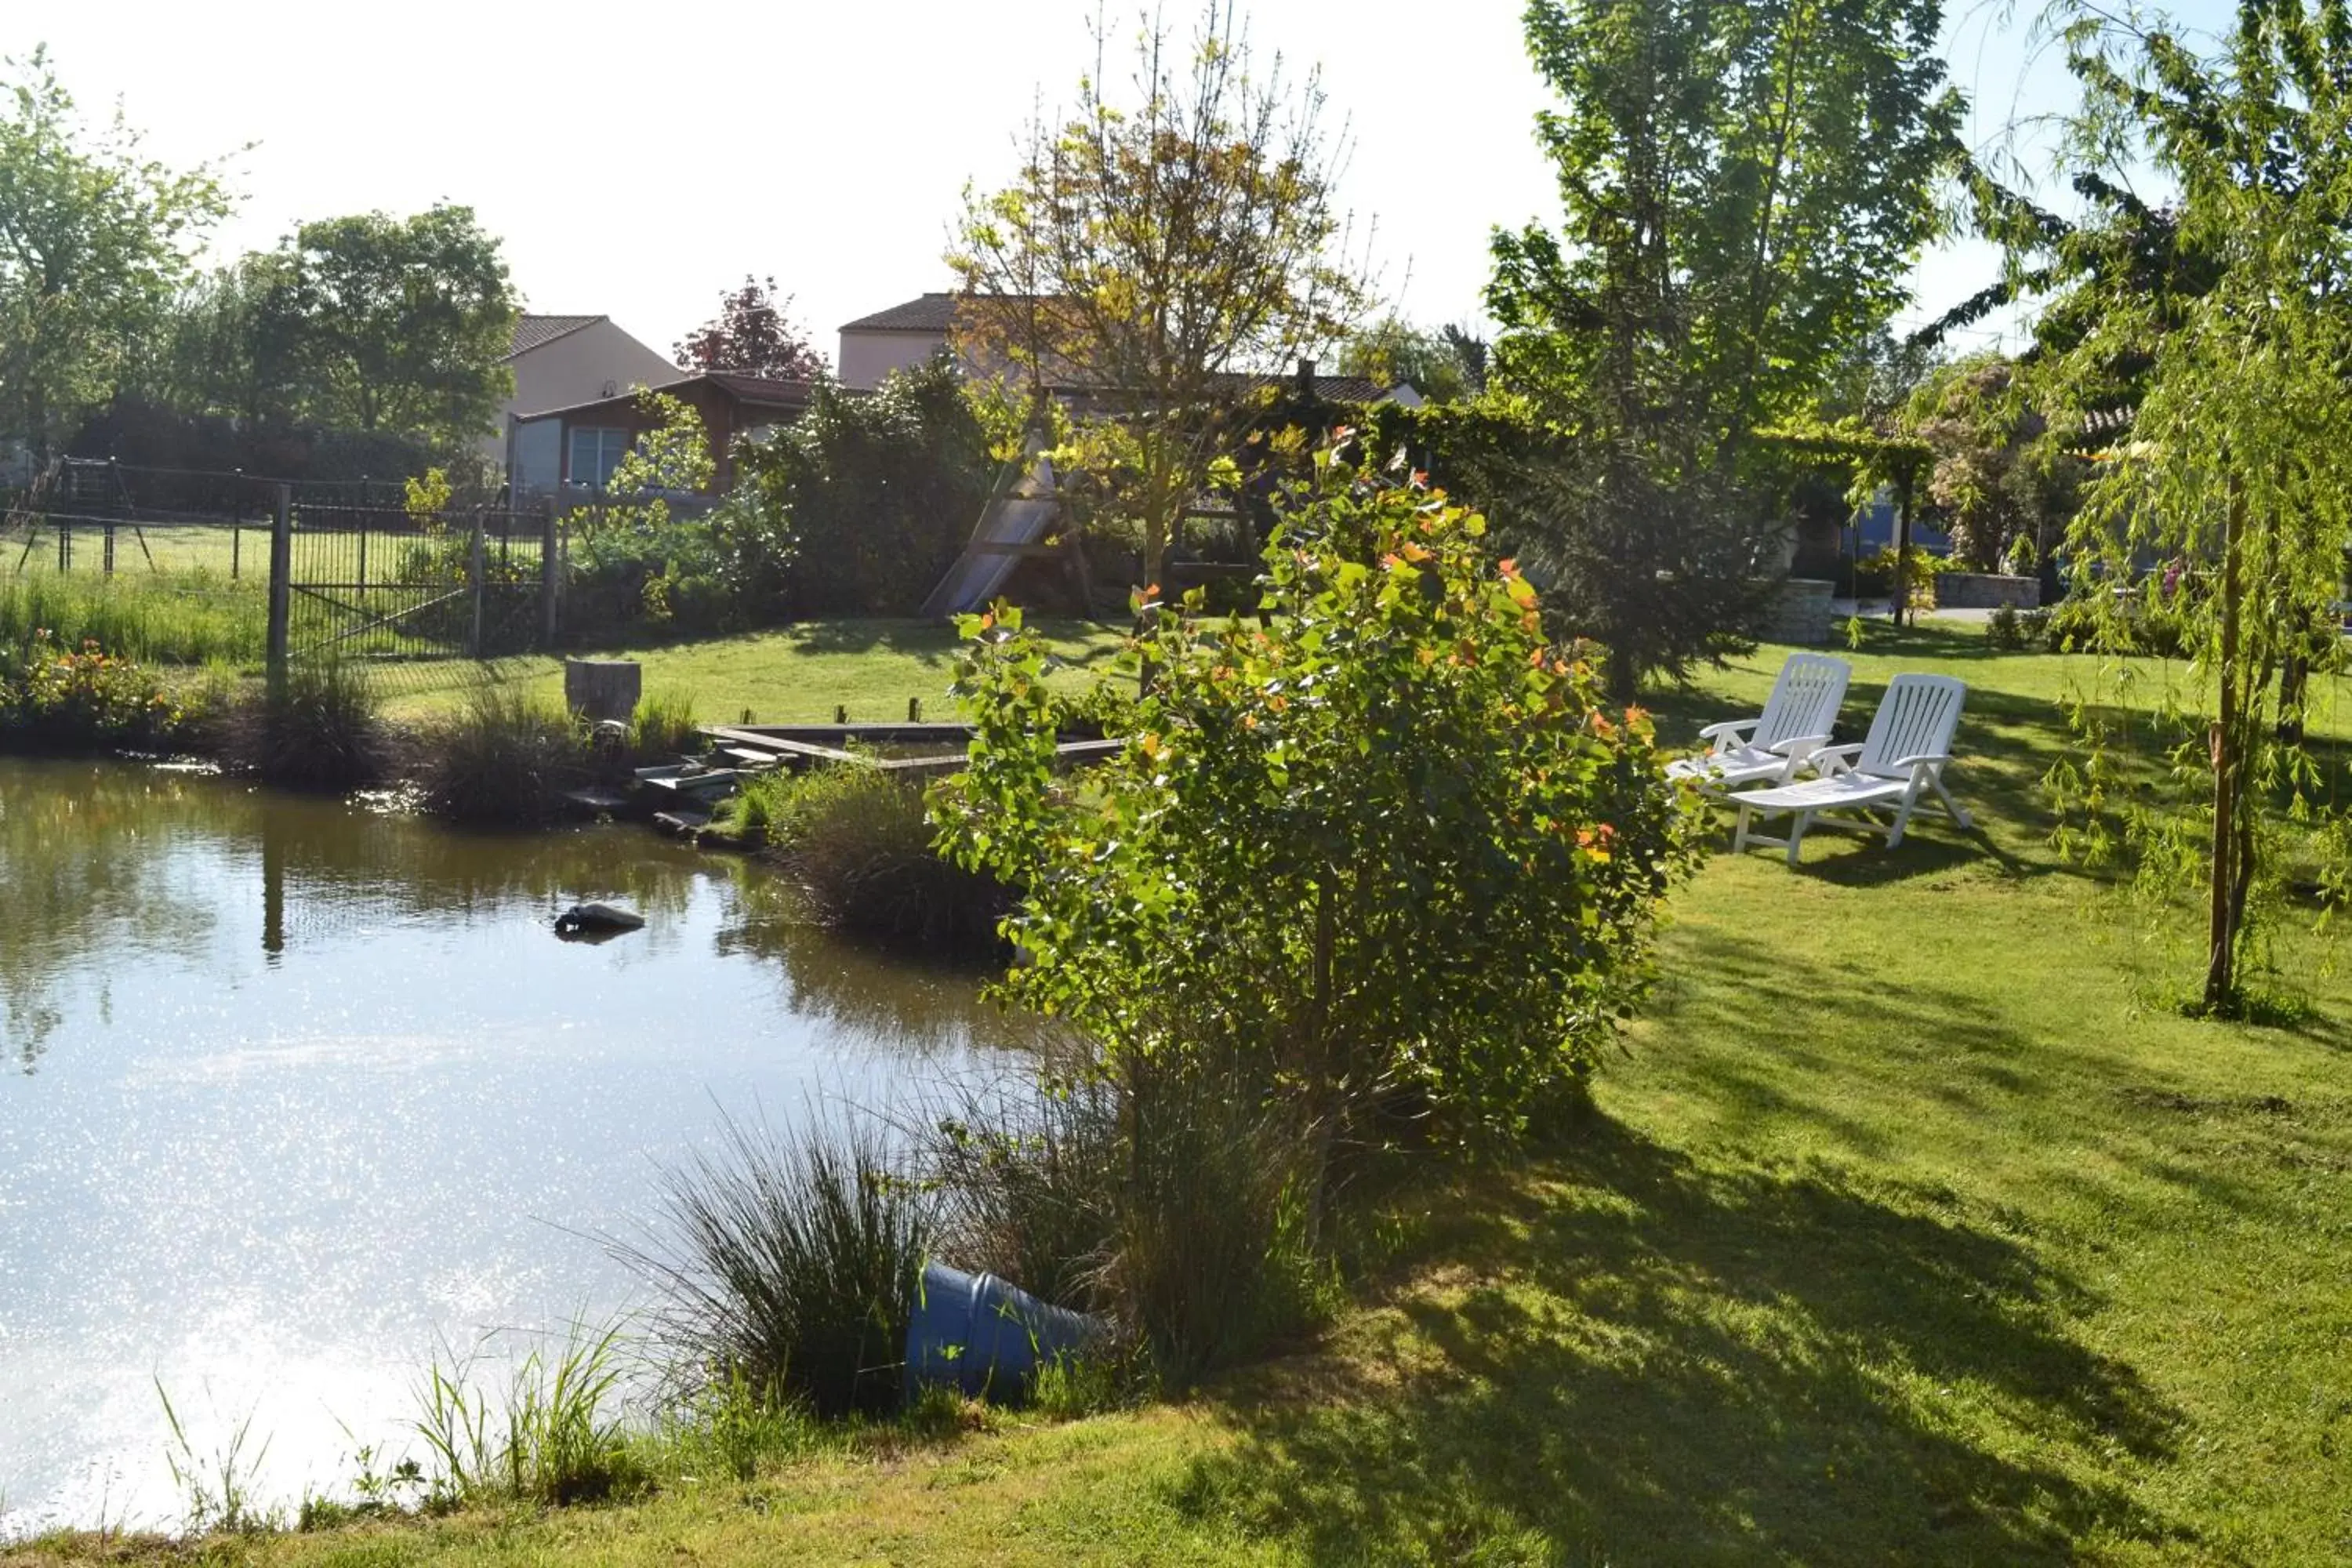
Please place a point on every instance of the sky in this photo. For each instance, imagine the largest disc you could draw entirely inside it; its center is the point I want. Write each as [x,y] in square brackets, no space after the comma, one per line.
[640,159]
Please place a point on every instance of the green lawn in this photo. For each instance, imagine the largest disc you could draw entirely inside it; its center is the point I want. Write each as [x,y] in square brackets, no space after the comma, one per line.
[1911,1228]
[798,674]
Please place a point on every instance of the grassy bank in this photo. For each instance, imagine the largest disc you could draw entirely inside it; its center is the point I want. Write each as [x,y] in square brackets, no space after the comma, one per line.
[1912,1228]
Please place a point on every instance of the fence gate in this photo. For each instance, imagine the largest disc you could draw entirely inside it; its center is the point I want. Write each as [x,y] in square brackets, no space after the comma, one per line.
[351,581]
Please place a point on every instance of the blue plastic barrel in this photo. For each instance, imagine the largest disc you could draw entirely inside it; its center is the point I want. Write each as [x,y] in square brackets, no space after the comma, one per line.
[976,1333]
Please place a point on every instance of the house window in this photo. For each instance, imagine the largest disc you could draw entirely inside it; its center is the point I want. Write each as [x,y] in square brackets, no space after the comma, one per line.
[596,451]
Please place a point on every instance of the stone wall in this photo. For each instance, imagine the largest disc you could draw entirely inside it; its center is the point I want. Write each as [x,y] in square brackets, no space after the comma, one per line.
[1799,613]
[1986,591]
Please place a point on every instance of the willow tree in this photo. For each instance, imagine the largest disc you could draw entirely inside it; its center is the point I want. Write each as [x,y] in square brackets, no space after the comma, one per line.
[1161,256]
[2238,470]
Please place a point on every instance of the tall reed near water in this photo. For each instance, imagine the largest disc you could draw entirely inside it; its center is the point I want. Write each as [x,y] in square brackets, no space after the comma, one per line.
[504,757]
[554,1433]
[787,1264]
[319,730]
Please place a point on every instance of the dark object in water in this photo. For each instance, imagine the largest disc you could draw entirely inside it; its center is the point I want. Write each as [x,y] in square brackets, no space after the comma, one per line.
[989,1338]
[594,922]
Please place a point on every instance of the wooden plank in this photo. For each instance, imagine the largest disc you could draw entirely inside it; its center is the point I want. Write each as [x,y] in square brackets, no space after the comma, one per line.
[779,746]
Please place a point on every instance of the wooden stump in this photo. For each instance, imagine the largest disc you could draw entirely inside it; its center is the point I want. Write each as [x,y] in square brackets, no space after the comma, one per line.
[602,687]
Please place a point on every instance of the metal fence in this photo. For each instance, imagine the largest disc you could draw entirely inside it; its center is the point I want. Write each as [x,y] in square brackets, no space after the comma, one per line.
[346,569]
[374,581]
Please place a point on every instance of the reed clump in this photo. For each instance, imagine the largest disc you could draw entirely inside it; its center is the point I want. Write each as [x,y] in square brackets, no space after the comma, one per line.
[857,842]
[787,1265]
[321,728]
[504,758]
[662,726]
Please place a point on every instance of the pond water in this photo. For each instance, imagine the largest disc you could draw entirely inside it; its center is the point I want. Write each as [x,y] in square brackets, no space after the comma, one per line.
[294,1093]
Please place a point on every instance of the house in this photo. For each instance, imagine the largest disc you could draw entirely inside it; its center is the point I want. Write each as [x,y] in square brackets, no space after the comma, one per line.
[559,362]
[577,448]
[872,346]
[909,333]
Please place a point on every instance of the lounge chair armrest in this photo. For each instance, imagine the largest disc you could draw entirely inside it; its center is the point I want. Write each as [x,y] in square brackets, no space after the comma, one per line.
[1799,746]
[1925,759]
[1726,734]
[1830,760]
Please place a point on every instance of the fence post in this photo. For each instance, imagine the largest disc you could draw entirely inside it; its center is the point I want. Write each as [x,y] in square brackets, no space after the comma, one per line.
[551,575]
[281,597]
[474,581]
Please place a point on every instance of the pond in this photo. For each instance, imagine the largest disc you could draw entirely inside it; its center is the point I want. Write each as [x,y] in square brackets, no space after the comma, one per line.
[295,1093]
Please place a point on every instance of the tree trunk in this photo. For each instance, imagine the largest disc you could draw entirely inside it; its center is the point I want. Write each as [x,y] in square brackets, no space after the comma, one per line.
[2229,746]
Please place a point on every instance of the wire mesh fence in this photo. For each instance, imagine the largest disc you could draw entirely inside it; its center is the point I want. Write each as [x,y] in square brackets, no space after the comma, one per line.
[177,566]
[370,582]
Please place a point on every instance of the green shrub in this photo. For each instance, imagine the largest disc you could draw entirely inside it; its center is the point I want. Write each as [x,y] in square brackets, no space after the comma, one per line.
[857,841]
[321,730]
[503,758]
[1389,846]
[2005,629]
[788,1264]
[860,505]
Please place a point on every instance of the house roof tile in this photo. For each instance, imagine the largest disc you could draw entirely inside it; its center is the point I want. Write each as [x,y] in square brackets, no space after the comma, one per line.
[537,332]
[925,314]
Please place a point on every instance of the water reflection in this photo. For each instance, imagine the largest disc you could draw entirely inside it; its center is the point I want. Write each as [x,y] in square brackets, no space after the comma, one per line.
[301,1090]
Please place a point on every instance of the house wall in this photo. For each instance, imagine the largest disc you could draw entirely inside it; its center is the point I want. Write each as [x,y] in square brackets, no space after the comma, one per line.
[576,368]
[541,446]
[867,357]
[535,460]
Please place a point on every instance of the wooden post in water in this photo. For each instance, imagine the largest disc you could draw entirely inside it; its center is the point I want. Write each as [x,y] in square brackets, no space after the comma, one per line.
[281,593]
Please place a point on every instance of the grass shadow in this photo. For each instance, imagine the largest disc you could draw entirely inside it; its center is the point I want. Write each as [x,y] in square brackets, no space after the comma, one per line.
[1628,1355]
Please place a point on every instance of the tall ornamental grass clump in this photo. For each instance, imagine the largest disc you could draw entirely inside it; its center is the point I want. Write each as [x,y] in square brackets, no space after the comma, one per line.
[787,1264]
[1377,867]
[504,758]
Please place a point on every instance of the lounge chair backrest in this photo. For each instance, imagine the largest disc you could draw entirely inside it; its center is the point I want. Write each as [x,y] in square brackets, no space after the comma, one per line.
[1804,699]
[1915,719]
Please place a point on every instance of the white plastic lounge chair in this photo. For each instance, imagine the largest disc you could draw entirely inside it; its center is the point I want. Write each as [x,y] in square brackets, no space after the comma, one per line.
[1900,764]
[1770,748]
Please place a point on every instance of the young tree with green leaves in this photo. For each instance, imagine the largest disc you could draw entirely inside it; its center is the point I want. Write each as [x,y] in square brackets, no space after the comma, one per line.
[2238,466]
[1745,188]
[95,239]
[1163,261]
[1378,850]
[394,324]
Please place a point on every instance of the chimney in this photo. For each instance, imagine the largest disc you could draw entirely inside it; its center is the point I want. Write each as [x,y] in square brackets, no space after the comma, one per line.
[1306,379]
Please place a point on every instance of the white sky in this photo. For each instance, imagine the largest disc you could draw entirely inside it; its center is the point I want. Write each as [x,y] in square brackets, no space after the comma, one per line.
[636,159]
